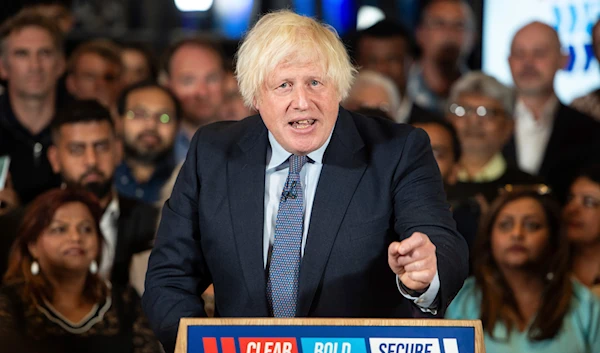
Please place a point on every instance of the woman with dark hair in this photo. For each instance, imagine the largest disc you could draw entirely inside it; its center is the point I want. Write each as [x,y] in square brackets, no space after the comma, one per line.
[582,220]
[522,290]
[52,299]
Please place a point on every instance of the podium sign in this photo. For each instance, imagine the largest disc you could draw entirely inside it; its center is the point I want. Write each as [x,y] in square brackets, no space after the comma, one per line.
[303,335]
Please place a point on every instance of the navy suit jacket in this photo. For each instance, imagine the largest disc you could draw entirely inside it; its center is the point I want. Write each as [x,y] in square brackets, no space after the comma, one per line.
[379,184]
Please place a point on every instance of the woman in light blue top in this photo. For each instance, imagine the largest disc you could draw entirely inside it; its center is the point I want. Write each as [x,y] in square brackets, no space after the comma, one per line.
[521,289]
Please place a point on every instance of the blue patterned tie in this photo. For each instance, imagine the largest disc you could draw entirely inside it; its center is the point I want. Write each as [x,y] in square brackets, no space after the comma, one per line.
[282,286]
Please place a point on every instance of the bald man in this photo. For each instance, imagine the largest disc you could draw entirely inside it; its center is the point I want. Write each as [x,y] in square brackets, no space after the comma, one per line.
[550,139]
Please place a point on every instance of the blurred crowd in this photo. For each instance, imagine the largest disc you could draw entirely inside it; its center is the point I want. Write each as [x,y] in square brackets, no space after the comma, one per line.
[96,139]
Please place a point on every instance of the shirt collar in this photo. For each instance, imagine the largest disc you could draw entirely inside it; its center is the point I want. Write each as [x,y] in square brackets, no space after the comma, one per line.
[278,154]
[493,170]
[113,210]
[550,107]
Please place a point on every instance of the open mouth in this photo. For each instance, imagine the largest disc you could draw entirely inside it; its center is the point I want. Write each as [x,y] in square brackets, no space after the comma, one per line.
[302,124]
[74,252]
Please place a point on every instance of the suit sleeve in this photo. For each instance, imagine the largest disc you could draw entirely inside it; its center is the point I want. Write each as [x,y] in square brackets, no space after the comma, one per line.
[420,206]
[177,273]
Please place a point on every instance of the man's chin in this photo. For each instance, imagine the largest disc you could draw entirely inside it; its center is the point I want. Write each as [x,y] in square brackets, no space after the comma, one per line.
[531,90]
[100,190]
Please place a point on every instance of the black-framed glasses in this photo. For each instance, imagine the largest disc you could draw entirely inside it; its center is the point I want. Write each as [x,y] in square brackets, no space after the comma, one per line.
[143,115]
[479,111]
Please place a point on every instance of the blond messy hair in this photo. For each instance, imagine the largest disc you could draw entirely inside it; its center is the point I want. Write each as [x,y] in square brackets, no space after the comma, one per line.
[285,37]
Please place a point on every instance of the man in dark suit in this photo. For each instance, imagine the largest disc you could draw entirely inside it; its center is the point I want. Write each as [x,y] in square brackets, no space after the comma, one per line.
[550,139]
[86,152]
[306,209]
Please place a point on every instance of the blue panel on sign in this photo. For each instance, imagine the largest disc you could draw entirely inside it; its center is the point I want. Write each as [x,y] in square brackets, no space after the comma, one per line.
[334,339]
[333,345]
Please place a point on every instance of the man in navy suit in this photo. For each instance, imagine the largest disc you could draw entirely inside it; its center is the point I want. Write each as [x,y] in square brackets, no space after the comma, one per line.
[366,232]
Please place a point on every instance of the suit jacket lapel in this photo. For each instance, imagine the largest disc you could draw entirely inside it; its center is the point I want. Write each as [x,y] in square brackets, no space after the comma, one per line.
[344,163]
[510,152]
[555,141]
[122,242]
[246,185]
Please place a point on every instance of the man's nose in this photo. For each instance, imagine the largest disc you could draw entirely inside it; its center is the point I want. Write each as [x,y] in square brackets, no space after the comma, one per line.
[90,157]
[300,98]
[201,90]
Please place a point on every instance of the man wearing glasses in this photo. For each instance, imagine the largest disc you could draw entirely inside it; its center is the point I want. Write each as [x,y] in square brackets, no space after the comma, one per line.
[445,36]
[85,152]
[94,72]
[150,116]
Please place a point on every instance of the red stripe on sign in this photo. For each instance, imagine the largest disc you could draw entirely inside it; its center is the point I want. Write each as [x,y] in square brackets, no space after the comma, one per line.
[210,345]
[268,345]
[227,345]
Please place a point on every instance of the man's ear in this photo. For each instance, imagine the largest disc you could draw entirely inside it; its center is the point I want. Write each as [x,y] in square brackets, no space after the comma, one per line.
[452,177]
[255,104]
[3,69]
[62,66]
[53,159]
[164,80]
[420,36]
[70,83]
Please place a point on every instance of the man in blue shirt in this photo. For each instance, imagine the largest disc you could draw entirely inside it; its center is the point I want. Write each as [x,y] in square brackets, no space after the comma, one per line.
[150,115]
[445,35]
[305,209]
[195,69]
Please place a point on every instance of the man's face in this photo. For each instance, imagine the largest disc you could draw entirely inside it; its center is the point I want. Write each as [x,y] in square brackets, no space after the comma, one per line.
[196,79]
[443,151]
[370,96]
[446,33]
[481,133]
[233,107]
[95,77]
[299,106]
[387,56]
[135,67]
[534,59]
[31,62]
[86,154]
[149,125]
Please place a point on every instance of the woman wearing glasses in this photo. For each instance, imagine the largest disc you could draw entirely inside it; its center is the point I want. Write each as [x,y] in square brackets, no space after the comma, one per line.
[582,222]
[481,110]
[522,289]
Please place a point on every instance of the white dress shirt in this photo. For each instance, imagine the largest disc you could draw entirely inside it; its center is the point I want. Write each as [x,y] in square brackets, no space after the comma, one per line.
[403,114]
[532,135]
[275,176]
[109,228]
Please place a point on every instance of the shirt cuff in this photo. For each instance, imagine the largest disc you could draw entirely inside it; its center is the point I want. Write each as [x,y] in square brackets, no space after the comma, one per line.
[426,302]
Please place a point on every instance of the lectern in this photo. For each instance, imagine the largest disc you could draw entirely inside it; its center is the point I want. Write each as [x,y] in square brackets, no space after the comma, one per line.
[303,335]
